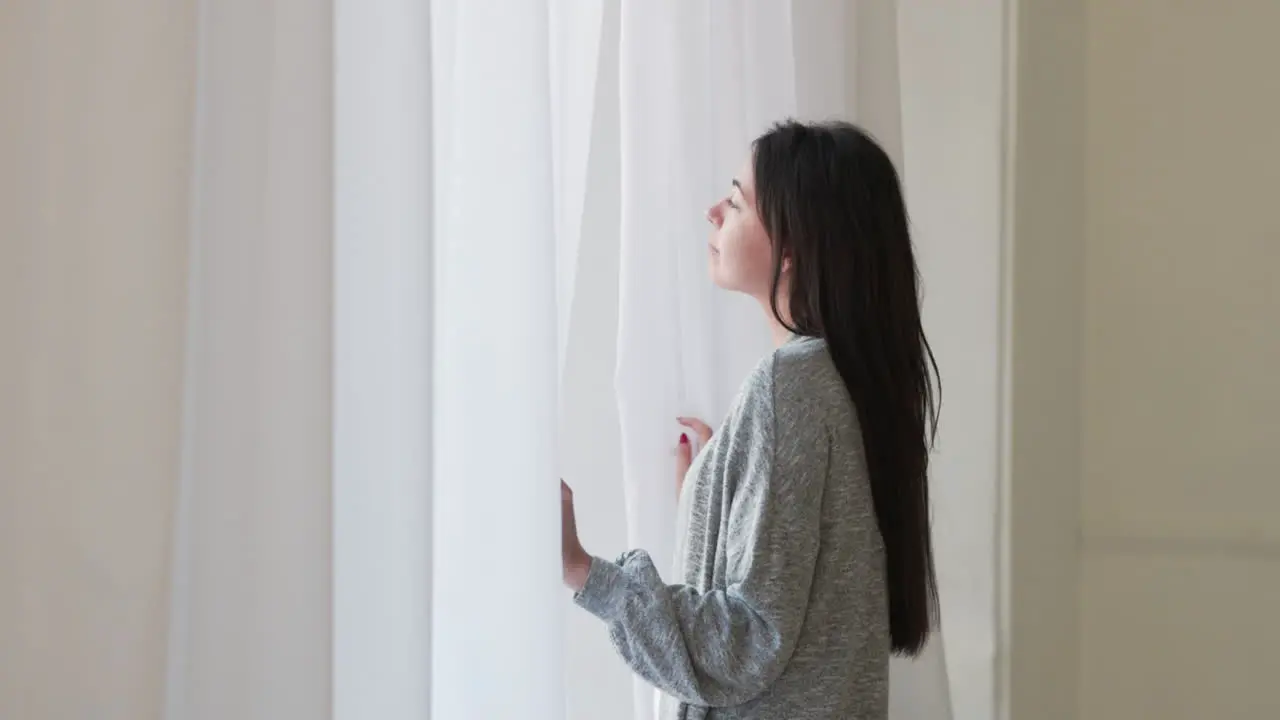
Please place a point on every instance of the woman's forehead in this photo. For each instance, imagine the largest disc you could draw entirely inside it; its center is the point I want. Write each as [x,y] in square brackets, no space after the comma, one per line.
[745,177]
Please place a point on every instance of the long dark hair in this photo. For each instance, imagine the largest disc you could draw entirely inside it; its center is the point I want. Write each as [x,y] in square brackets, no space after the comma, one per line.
[831,201]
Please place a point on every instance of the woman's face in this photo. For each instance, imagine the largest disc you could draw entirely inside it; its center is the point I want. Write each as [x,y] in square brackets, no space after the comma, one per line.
[740,253]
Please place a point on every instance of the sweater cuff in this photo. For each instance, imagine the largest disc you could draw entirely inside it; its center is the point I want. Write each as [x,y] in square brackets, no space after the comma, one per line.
[599,595]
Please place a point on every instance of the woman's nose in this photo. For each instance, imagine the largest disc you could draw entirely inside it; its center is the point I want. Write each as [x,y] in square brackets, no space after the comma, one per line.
[715,214]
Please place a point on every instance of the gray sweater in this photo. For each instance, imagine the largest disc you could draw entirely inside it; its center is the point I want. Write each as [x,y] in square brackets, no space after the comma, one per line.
[781,612]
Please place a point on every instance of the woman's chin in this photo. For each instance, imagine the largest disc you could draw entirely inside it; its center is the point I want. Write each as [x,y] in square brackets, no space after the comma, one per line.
[718,273]
[717,278]
[713,273]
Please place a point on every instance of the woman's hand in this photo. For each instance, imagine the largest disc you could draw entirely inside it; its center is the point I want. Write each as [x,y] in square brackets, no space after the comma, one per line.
[575,562]
[684,449]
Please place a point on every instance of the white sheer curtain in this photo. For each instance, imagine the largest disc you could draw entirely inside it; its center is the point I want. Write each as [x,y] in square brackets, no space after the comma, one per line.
[382,360]
[334,377]
[511,124]
[250,612]
[383,224]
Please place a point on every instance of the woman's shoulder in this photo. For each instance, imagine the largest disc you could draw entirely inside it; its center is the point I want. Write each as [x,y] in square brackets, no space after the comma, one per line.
[803,371]
[799,374]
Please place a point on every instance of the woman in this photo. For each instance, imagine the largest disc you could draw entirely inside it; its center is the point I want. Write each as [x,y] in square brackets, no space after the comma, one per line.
[804,555]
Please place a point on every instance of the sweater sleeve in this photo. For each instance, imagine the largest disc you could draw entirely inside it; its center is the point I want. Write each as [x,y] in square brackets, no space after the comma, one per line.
[726,647]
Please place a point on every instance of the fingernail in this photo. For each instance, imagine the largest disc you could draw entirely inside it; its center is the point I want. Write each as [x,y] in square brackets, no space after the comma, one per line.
[684,439]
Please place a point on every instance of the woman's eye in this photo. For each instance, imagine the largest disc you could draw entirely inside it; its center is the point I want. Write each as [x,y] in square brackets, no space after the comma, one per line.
[729,201]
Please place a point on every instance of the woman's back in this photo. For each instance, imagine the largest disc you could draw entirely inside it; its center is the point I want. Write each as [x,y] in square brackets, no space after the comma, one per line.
[840,666]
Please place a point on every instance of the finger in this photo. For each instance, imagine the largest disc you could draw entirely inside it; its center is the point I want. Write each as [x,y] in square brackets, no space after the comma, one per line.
[702,429]
[566,505]
[684,451]
[684,458]
[695,425]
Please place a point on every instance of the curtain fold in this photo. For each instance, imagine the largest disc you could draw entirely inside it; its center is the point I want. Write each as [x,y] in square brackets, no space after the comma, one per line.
[574,35]
[496,552]
[512,118]
[310,561]
[382,360]
[250,613]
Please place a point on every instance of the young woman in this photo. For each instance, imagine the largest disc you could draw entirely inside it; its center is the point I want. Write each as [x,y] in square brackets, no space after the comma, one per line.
[804,556]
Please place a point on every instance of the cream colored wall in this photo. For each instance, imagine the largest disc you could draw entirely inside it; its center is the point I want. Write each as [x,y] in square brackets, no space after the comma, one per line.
[1180,582]
[1144,496]
[91,306]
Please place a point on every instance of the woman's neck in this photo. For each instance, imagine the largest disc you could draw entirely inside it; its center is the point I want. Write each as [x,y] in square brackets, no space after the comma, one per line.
[778,328]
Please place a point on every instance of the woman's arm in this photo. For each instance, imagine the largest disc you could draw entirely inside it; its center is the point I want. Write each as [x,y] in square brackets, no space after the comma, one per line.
[725,647]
